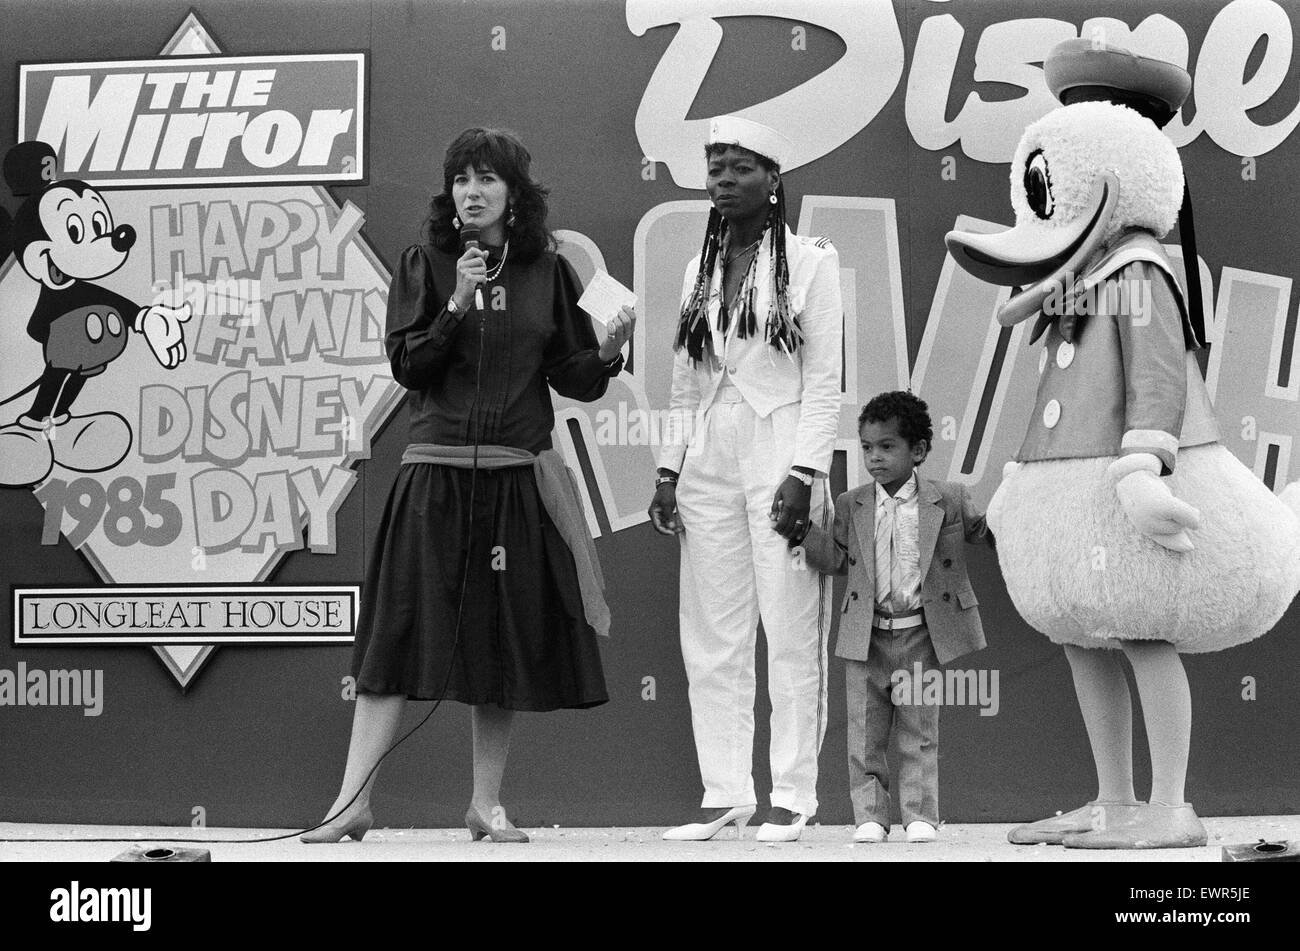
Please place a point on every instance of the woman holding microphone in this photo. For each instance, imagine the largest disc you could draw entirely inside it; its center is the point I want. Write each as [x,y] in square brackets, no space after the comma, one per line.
[483,585]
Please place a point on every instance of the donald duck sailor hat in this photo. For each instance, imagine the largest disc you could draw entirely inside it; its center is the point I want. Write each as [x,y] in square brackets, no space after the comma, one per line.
[1085,70]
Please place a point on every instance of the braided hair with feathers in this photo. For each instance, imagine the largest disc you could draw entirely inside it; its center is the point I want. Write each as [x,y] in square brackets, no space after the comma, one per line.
[781,326]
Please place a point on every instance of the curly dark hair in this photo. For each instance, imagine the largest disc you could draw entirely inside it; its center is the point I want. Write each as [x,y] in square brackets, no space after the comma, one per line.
[502,152]
[910,410]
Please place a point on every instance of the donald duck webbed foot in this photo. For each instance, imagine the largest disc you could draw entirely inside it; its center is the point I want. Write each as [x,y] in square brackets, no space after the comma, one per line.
[1149,826]
[1087,817]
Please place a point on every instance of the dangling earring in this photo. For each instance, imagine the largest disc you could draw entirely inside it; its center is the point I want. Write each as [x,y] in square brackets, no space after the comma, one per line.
[510,217]
[455,222]
[772,198]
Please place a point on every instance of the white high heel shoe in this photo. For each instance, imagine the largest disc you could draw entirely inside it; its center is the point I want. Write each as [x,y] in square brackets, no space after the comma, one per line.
[701,831]
[777,832]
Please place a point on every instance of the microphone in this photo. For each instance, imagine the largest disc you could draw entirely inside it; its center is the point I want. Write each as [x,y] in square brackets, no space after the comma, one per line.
[469,239]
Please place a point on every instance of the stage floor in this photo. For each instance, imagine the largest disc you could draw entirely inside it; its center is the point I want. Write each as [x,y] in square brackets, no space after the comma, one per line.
[973,842]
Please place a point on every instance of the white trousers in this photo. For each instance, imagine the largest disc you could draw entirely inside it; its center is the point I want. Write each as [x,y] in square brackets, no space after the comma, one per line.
[735,569]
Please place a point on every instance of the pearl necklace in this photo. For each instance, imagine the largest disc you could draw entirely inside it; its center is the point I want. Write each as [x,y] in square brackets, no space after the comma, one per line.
[492,274]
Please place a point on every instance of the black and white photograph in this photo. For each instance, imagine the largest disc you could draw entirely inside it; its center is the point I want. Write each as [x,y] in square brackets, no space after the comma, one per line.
[651,431]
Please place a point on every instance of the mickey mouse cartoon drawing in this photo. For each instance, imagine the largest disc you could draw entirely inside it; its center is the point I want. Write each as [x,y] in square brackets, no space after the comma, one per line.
[63,236]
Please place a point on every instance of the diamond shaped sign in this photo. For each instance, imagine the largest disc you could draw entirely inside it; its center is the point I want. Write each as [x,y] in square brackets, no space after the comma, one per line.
[199,413]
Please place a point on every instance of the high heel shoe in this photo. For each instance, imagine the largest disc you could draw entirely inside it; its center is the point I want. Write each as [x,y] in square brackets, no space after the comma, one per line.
[782,825]
[480,828]
[355,828]
[712,825]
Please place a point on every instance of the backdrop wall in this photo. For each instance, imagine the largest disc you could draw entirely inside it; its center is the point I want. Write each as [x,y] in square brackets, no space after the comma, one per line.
[905,115]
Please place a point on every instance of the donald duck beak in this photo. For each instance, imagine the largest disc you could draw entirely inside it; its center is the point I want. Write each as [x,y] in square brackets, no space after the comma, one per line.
[1034,254]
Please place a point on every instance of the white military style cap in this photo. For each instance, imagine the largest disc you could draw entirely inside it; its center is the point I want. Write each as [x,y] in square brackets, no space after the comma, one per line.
[748,134]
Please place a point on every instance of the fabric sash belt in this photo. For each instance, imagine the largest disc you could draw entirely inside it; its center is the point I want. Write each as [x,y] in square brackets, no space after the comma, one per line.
[558,488]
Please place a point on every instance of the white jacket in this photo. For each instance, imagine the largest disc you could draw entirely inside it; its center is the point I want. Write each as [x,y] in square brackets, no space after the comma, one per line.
[765,376]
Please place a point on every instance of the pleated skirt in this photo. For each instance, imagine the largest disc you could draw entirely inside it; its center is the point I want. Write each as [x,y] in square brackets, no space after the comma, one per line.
[523,642]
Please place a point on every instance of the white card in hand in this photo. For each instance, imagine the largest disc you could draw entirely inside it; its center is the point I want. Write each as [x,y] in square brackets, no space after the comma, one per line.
[604,297]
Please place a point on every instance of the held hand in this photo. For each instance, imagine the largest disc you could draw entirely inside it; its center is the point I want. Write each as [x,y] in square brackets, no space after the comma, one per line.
[617,332]
[471,272]
[161,326]
[663,511]
[1151,506]
[790,508]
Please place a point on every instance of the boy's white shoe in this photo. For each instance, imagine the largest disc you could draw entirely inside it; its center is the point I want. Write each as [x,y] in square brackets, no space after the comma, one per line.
[920,831]
[870,832]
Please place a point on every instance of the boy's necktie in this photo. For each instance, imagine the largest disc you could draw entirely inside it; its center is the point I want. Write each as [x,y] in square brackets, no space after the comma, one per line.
[892,602]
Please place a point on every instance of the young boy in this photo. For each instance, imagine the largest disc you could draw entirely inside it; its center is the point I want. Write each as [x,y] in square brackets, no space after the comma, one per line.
[900,540]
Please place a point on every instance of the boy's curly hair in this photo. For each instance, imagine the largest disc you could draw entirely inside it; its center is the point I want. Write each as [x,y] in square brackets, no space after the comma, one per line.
[910,410]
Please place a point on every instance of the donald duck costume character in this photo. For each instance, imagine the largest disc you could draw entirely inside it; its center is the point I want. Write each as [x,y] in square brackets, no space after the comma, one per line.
[1123,525]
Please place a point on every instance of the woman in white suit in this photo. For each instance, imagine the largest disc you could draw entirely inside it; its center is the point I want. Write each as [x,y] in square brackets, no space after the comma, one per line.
[755,407]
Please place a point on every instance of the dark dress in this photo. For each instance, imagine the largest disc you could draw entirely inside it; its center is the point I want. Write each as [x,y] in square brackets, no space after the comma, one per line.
[524,642]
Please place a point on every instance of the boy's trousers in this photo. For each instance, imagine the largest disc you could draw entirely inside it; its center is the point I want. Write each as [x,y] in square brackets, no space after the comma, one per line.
[872,714]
